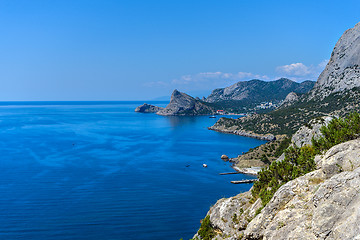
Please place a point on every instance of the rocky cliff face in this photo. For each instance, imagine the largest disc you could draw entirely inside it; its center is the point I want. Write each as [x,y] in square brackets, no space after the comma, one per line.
[259,91]
[183,104]
[343,70]
[323,204]
[148,108]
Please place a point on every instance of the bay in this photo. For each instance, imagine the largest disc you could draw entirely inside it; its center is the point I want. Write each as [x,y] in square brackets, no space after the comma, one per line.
[98,170]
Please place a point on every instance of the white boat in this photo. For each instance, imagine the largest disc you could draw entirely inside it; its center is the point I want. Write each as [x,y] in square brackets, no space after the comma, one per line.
[204,165]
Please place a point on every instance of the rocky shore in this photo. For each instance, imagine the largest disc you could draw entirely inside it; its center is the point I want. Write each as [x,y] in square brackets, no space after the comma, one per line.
[249,171]
[266,137]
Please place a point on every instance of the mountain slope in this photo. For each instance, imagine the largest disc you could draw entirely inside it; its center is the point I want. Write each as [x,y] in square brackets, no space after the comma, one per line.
[259,91]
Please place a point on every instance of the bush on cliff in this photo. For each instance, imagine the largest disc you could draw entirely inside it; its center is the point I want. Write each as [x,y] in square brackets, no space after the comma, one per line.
[339,130]
[206,231]
[299,161]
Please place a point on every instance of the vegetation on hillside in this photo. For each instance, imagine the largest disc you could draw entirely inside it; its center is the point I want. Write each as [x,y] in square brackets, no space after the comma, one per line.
[288,120]
[264,154]
[299,161]
[206,232]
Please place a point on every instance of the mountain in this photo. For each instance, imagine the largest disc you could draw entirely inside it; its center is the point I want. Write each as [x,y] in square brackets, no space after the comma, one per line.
[336,92]
[257,91]
[183,104]
[235,98]
[343,70]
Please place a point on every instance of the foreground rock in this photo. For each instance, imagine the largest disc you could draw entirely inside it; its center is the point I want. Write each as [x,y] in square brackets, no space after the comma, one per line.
[147,108]
[183,104]
[323,204]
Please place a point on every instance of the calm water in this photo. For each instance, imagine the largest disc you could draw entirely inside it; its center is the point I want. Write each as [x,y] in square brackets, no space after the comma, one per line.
[101,171]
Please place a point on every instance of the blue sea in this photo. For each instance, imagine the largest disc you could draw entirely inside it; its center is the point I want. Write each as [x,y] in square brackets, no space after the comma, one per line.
[98,170]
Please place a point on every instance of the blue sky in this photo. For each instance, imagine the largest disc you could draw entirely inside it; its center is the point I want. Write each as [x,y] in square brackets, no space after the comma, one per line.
[140,50]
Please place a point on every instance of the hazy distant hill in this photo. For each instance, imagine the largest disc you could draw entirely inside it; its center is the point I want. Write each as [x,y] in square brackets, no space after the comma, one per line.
[256,91]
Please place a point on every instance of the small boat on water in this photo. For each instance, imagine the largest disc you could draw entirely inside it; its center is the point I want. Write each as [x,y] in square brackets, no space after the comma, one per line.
[212,116]
[204,165]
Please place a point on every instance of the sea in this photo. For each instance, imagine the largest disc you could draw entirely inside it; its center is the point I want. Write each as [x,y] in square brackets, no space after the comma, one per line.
[99,170]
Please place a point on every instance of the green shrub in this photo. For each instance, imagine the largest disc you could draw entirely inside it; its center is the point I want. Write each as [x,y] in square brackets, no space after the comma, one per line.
[206,231]
[337,131]
[299,161]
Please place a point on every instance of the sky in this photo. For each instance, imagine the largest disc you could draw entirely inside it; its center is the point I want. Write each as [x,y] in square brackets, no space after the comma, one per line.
[82,50]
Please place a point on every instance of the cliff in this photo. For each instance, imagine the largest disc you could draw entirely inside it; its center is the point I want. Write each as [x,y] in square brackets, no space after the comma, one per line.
[343,70]
[183,104]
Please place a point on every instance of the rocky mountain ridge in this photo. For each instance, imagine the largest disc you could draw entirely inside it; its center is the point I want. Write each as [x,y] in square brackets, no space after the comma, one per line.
[259,91]
[183,104]
[242,95]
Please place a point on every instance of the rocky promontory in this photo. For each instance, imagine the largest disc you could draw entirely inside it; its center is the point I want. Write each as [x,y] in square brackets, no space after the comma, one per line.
[221,126]
[183,104]
[148,108]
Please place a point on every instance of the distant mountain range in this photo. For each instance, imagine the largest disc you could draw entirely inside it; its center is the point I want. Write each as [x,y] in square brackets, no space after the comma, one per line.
[235,98]
[256,91]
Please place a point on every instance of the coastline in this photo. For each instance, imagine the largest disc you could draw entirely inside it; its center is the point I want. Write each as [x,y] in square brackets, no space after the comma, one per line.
[248,171]
[267,137]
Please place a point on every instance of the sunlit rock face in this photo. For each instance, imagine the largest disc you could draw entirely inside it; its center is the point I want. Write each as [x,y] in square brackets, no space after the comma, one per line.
[343,70]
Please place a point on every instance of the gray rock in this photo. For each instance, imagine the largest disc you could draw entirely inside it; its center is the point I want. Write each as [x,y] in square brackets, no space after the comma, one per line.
[343,70]
[342,157]
[304,135]
[290,99]
[183,104]
[322,204]
[147,108]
